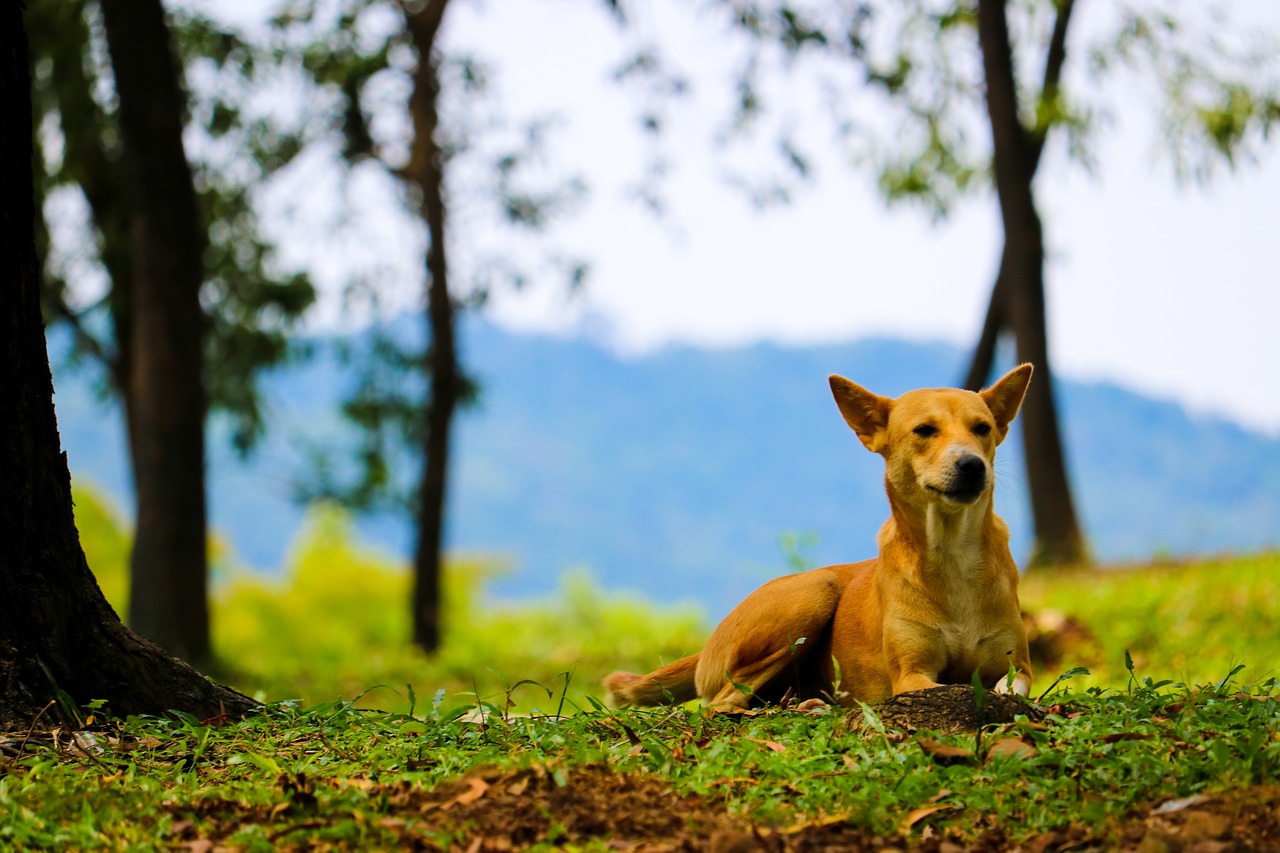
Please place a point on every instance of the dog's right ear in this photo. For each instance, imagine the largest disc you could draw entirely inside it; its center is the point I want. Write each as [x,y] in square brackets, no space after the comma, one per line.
[866,413]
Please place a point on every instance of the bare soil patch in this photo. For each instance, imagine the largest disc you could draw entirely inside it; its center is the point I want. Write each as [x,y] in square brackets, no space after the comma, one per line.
[594,804]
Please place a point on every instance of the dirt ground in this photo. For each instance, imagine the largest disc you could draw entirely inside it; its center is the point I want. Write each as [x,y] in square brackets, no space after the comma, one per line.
[596,805]
[515,809]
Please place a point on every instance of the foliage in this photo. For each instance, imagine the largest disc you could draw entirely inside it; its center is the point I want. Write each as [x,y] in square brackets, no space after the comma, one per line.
[235,146]
[333,623]
[106,542]
[361,67]
[330,775]
[1190,621]
[335,626]
[904,88]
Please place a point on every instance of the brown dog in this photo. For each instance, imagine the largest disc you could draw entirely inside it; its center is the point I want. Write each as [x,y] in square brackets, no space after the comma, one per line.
[938,604]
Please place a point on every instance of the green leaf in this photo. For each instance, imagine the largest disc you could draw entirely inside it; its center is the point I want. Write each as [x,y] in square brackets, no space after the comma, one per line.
[979,691]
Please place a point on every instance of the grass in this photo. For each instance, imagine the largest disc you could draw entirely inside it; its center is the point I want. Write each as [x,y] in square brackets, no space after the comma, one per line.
[1191,621]
[339,765]
[329,774]
[332,625]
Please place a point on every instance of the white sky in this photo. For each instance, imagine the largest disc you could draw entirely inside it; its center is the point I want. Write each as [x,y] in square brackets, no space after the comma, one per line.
[1172,292]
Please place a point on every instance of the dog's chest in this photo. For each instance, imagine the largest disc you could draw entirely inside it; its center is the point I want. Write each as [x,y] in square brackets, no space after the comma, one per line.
[963,634]
[964,623]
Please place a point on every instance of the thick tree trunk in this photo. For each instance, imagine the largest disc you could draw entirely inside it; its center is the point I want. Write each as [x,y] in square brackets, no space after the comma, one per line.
[1021,298]
[60,35]
[426,170]
[57,632]
[165,386]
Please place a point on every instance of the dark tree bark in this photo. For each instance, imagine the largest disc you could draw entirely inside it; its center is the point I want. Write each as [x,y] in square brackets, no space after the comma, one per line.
[426,172]
[164,390]
[65,33]
[57,632]
[984,352]
[1018,300]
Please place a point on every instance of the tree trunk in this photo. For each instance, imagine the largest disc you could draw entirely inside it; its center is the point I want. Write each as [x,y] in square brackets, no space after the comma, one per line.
[426,171]
[57,632]
[165,386]
[61,33]
[984,352]
[1021,299]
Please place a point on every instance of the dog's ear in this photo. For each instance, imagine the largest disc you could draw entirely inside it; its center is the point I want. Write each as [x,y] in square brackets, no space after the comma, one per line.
[1005,397]
[866,413]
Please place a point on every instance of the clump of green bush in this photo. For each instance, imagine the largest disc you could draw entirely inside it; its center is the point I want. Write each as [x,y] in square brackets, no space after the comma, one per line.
[334,623]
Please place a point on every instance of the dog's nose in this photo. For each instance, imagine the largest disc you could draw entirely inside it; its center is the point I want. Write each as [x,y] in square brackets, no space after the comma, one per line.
[972,469]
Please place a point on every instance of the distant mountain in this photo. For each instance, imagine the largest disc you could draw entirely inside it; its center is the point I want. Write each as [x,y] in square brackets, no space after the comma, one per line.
[678,473]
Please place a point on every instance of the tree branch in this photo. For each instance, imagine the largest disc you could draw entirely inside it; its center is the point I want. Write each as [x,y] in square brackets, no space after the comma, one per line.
[424,24]
[1052,83]
[110,361]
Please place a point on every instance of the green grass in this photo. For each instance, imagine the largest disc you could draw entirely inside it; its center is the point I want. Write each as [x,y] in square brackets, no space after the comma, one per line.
[329,774]
[1191,622]
[322,768]
[333,625]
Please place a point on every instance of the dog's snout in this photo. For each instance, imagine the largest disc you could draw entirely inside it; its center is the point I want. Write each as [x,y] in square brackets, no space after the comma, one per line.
[971,468]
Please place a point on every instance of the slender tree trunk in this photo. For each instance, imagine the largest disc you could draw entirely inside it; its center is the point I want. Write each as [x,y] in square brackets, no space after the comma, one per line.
[165,387]
[57,632]
[426,170]
[984,352]
[1021,299]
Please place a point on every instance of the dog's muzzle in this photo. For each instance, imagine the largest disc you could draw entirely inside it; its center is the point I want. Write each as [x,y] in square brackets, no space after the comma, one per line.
[967,479]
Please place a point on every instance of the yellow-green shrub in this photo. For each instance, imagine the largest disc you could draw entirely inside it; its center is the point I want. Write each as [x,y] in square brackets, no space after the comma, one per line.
[334,622]
[1191,622]
[106,540]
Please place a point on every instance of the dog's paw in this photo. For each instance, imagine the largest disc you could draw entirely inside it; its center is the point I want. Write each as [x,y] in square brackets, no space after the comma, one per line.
[812,706]
[1021,685]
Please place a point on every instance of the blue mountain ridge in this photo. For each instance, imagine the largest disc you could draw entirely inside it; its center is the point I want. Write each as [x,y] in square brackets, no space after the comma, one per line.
[677,474]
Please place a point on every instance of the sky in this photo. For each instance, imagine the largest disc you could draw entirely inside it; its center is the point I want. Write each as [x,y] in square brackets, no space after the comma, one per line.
[1170,291]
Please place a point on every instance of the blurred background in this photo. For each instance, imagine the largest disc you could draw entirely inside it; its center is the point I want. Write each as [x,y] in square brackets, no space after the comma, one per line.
[542,296]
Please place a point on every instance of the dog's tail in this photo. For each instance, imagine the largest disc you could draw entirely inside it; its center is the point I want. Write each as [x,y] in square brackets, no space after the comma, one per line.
[668,685]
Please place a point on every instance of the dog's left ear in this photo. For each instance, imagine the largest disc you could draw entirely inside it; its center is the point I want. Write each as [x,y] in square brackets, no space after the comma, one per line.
[1005,397]
[866,414]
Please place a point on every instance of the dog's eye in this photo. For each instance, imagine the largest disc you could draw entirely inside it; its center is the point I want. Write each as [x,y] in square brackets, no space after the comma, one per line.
[926,431]
[982,430]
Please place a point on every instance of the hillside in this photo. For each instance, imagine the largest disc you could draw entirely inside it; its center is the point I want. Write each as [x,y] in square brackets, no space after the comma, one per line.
[678,474]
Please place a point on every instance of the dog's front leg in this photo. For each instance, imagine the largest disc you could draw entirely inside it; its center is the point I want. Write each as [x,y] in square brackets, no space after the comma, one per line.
[909,681]
[915,654]
[1009,672]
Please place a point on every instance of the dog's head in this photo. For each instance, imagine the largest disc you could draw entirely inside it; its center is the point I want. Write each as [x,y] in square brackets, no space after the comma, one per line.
[939,444]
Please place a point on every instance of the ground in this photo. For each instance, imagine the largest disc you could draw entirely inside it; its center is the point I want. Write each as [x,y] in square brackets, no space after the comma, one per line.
[595,806]
[514,809]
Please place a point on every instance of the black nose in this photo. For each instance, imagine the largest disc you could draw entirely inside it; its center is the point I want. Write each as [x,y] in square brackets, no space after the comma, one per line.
[972,470]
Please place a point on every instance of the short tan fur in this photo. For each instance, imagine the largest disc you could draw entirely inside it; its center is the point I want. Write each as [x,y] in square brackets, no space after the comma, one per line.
[939,602]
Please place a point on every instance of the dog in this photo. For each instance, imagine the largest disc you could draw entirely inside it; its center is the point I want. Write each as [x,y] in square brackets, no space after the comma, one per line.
[938,604]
